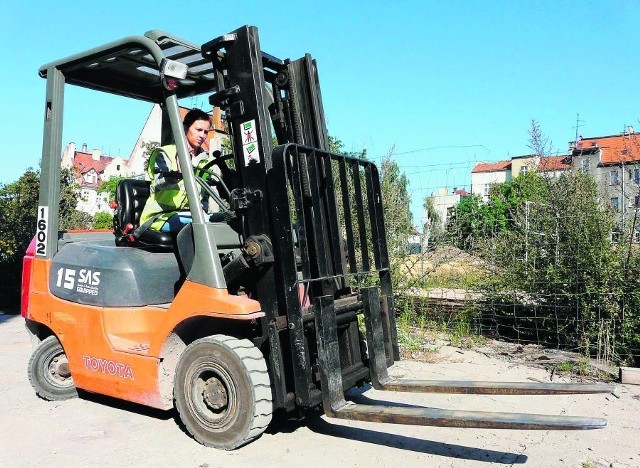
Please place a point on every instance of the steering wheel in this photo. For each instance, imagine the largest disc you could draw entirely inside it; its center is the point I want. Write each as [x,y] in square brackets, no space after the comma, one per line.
[217,161]
[229,175]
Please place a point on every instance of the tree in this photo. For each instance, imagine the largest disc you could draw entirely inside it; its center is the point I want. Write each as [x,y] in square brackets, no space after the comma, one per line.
[394,185]
[337,146]
[148,146]
[18,206]
[110,186]
[557,257]
[432,227]
[70,217]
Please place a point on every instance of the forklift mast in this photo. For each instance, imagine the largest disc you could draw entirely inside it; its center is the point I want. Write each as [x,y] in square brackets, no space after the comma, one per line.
[320,214]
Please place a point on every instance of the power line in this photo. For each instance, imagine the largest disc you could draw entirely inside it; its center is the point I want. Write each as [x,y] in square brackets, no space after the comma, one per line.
[433,148]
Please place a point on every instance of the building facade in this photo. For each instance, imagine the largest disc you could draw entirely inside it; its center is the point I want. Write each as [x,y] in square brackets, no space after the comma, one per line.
[484,175]
[614,162]
[442,204]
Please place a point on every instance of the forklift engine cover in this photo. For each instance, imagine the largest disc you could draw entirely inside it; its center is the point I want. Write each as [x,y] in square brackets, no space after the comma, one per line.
[111,276]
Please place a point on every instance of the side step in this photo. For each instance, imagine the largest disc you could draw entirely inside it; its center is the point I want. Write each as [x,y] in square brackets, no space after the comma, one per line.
[336,406]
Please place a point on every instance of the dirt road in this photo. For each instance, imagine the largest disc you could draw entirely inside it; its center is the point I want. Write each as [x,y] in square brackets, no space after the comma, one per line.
[92,431]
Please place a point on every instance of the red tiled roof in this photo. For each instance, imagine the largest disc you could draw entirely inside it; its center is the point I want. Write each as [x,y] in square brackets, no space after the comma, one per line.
[492,167]
[461,192]
[84,162]
[615,149]
[554,163]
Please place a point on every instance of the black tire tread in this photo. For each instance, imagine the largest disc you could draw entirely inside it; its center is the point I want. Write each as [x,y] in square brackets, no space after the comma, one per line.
[48,394]
[256,368]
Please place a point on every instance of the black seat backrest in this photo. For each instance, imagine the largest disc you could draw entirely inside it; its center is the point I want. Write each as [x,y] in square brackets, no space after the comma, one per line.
[131,196]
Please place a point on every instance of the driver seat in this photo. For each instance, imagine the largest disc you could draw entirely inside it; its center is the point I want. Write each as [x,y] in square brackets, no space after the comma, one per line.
[131,196]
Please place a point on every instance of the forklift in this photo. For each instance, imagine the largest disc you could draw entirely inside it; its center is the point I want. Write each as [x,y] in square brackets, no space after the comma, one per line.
[281,300]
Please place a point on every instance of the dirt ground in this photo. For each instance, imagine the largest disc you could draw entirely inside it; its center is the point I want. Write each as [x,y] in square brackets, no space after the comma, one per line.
[93,431]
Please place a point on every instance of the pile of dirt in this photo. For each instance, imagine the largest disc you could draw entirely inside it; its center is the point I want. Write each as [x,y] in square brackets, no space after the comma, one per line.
[442,263]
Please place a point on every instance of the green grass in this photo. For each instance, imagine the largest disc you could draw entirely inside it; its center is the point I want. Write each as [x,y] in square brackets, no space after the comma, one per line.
[565,366]
[416,331]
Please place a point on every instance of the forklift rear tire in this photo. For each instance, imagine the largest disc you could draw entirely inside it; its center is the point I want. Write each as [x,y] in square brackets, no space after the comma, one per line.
[222,391]
[49,371]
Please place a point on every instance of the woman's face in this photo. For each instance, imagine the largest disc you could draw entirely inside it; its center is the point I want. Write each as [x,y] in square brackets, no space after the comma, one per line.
[197,133]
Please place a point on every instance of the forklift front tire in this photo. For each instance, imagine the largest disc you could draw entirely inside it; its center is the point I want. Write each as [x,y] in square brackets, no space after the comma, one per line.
[222,391]
[49,371]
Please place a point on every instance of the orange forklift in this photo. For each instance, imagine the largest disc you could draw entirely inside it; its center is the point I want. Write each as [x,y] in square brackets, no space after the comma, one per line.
[280,300]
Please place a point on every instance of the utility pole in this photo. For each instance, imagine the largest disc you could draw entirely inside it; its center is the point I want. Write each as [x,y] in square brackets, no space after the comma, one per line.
[526,230]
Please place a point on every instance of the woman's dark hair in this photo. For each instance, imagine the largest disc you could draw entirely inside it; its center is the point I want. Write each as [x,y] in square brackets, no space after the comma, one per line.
[192,116]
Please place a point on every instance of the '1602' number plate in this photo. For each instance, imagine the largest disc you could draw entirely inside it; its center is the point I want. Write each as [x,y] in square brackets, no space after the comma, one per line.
[41,231]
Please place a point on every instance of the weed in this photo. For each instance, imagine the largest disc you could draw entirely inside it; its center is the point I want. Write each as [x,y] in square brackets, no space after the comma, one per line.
[565,366]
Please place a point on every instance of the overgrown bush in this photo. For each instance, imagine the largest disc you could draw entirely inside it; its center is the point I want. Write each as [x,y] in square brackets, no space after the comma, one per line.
[559,280]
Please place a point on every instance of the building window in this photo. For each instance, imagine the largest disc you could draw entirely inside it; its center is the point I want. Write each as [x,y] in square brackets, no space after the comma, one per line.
[585,164]
[118,167]
[636,236]
[636,201]
[523,170]
[485,190]
[636,176]
[613,177]
[615,203]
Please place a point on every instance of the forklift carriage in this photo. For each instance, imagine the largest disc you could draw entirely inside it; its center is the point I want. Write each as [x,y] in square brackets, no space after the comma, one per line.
[257,308]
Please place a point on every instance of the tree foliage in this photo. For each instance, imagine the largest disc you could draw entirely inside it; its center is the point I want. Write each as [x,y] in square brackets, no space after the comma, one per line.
[148,146]
[394,185]
[432,227]
[70,217]
[473,221]
[18,206]
[110,186]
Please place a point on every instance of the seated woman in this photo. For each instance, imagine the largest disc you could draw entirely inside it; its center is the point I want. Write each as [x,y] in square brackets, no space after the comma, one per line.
[167,206]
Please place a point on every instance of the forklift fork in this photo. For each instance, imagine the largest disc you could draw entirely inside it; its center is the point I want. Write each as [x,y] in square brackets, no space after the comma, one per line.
[336,406]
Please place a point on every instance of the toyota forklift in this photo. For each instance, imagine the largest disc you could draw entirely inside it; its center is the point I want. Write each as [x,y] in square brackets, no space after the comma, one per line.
[280,300]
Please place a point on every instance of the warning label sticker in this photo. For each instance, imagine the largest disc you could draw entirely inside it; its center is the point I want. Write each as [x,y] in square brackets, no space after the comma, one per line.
[250,148]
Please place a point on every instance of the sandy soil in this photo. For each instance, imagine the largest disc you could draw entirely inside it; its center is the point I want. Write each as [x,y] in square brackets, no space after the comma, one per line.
[93,431]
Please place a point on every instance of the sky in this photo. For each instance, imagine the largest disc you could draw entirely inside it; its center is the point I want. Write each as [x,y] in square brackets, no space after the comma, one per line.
[440,85]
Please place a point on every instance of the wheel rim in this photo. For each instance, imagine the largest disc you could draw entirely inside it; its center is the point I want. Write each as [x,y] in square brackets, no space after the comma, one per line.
[57,371]
[212,396]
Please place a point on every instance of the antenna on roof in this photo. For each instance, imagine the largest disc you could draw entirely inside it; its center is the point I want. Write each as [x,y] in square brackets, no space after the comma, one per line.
[578,125]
